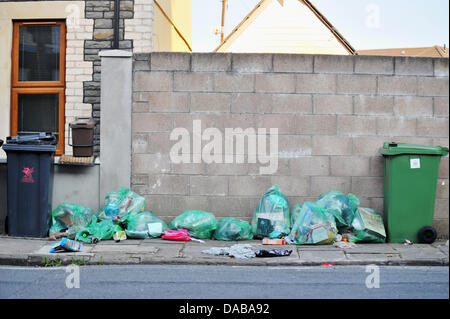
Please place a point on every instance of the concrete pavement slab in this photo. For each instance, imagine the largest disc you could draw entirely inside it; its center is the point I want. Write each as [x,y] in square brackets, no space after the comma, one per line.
[322,256]
[373,258]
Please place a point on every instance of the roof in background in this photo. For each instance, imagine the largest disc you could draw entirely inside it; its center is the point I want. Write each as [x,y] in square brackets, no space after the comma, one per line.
[319,15]
[432,52]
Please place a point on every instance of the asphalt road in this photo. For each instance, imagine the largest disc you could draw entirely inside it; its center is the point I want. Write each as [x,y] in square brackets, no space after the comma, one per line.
[223,282]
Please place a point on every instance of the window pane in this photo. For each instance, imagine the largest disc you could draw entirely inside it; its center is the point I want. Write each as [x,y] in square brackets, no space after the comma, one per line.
[39,49]
[37,113]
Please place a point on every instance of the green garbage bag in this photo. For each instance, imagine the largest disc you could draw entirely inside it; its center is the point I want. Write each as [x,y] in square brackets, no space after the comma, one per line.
[144,225]
[295,213]
[343,207]
[198,223]
[367,226]
[70,217]
[314,225]
[230,228]
[98,230]
[121,202]
[271,214]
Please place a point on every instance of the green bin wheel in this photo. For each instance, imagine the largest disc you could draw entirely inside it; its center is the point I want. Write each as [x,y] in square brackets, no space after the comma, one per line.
[427,235]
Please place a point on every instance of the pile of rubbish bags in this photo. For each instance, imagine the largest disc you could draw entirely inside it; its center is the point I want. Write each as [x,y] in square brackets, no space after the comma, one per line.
[333,217]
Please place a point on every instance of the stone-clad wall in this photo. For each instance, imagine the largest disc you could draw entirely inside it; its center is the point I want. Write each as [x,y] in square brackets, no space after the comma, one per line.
[102,12]
[333,113]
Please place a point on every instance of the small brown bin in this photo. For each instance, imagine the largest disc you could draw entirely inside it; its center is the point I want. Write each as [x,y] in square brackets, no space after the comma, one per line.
[82,136]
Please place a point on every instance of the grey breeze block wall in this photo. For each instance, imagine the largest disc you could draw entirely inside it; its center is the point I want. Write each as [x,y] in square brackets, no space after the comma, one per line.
[333,113]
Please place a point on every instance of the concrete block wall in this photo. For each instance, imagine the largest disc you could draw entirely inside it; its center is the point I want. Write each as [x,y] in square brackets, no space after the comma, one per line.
[333,113]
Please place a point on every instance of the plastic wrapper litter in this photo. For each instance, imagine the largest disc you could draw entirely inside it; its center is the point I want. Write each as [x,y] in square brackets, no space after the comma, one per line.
[199,224]
[232,229]
[120,203]
[241,251]
[314,225]
[343,207]
[273,253]
[271,214]
[144,225]
[70,218]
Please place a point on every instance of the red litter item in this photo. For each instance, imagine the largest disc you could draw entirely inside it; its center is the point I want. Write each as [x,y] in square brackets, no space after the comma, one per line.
[179,235]
[327,264]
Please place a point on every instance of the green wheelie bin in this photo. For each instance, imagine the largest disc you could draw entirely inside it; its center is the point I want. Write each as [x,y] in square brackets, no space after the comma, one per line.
[410,179]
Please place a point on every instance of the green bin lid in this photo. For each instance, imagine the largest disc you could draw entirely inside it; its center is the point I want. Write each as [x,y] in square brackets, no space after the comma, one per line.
[392,148]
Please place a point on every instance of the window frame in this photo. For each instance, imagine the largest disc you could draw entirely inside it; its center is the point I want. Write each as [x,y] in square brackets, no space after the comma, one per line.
[61,110]
[38,87]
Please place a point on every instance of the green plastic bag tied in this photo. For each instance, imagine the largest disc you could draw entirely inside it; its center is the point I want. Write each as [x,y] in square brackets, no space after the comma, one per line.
[144,225]
[271,214]
[199,224]
[233,229]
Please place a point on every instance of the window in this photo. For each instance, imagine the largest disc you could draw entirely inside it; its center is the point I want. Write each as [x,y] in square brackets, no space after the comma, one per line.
[38,79]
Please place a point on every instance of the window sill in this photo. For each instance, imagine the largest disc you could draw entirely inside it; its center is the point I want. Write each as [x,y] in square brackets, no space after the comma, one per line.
[3,160]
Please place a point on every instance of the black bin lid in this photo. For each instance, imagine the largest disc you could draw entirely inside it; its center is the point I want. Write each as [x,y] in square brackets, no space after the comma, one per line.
[44,142]
[33,139]
[83,122]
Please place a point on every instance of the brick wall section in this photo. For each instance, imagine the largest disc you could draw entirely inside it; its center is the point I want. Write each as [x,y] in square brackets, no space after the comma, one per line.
[77,71]
[333,115]
[140,28]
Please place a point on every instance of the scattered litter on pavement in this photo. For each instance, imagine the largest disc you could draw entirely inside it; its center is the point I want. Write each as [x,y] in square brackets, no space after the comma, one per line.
[56,236]
[269,241]
[273,253]
[408,242]
[177,235]
[236,251]
[389,255]
[66,245]
[197,240]
[327,265]
[344,244]
[120,236]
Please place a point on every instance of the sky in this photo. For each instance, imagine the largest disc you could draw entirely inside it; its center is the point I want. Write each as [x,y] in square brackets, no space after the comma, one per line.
[366,24]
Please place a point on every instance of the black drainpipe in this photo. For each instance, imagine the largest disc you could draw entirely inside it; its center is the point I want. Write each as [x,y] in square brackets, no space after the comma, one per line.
[116,23]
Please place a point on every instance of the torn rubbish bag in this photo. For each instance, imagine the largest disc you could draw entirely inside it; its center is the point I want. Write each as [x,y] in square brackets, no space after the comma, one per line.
[271,214]
[314,225]
[70,218]
[198,223]
[98,230]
